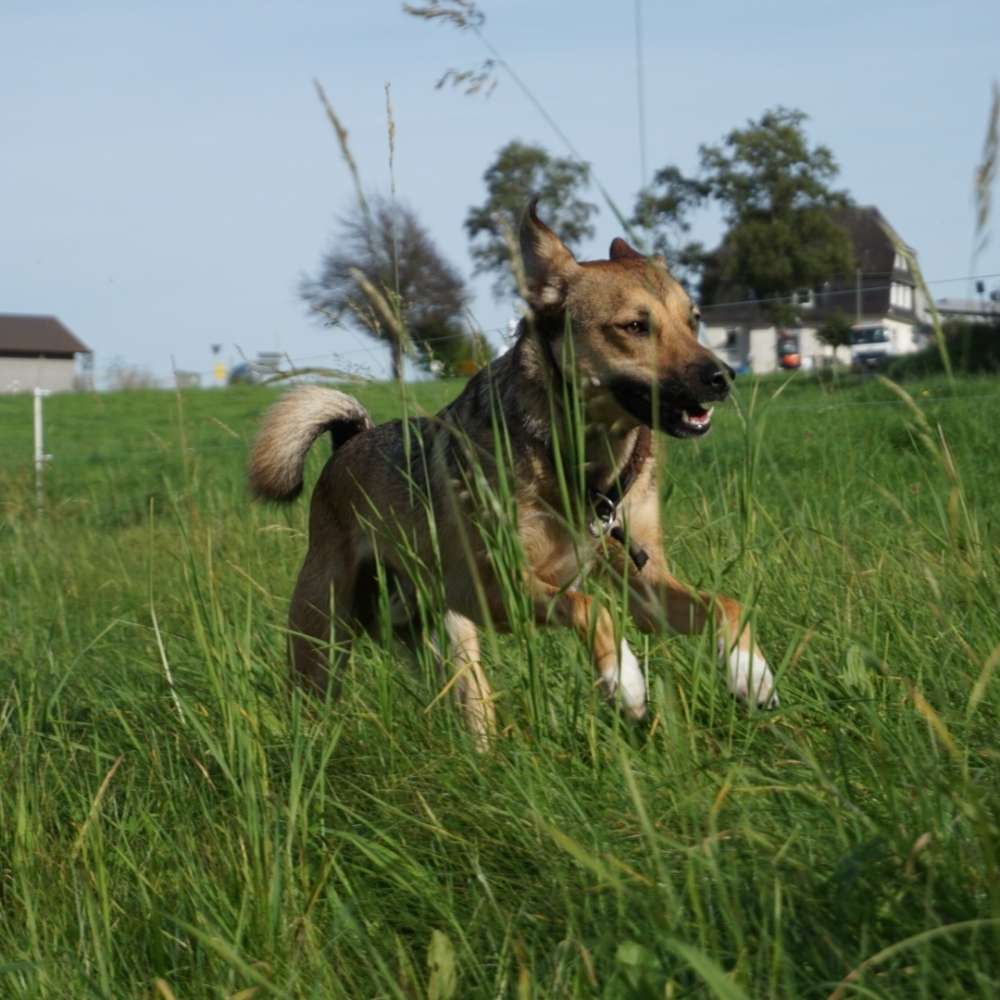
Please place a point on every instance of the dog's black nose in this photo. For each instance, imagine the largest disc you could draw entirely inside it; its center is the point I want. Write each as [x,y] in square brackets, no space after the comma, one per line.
[716,376]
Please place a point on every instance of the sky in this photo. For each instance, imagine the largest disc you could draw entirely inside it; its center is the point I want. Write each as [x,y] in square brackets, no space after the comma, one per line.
[167,175]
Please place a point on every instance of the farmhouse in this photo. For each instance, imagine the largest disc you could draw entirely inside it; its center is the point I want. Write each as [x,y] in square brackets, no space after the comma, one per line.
[880,300]
[39,352]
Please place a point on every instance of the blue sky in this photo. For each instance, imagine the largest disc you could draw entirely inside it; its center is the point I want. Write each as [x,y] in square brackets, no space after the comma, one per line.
[167,174]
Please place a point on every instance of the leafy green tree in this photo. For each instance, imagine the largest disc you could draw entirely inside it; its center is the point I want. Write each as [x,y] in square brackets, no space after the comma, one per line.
[385,277]
[774,191]
[519,172]
[836,331]
[664,209]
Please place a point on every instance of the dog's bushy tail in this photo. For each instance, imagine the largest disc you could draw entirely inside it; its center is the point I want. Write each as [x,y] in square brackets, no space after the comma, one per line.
[289,429]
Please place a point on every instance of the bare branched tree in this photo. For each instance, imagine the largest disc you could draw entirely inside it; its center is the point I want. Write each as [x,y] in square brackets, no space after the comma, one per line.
[121,376]
[385,277]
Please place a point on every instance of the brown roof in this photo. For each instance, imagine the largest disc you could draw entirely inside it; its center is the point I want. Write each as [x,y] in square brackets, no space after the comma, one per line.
[37,336]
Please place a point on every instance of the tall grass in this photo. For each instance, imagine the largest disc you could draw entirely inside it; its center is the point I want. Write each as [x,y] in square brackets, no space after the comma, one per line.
[176,821]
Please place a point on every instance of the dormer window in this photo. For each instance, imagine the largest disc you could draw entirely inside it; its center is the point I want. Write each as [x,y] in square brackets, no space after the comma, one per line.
[901,297]
[900,263]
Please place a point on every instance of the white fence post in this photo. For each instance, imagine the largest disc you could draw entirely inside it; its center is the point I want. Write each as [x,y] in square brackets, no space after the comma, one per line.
[40,457]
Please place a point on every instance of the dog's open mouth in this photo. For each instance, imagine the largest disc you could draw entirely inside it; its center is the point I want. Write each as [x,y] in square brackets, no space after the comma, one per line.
[676,412]
[694,420]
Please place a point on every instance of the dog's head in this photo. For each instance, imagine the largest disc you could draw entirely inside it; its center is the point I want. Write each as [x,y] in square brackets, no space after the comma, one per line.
[633,327]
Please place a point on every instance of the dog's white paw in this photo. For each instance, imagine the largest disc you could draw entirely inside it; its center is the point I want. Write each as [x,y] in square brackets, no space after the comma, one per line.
[621,677]
[750,678]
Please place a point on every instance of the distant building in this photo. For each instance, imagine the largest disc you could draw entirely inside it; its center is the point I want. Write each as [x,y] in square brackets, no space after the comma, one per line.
[39,352]
[981,310]
[882,299]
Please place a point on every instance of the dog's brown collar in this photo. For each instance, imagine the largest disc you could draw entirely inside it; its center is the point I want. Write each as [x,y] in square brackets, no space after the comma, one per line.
[607,503]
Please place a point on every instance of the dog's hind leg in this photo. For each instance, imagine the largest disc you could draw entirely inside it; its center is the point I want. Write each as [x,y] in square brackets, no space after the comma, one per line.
[618,671]
[472,689]
[324,589]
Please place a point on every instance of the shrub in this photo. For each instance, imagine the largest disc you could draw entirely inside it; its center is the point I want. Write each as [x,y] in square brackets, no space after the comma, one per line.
[973,348]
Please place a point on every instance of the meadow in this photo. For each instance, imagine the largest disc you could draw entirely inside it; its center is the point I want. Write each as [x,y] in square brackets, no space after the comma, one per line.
[176,822]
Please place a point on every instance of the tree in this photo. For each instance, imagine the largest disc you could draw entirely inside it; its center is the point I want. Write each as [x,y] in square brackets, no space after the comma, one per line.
[122,376]
[836,331]
[663,209]
[775,194]
[519,172]
[385,277]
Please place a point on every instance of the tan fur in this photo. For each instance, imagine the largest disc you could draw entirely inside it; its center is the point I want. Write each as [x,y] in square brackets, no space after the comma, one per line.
[289,430]
[395,497]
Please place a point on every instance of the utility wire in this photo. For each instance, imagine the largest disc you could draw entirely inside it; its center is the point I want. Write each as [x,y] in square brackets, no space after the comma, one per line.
[704,309]
[846,291]
[371,350]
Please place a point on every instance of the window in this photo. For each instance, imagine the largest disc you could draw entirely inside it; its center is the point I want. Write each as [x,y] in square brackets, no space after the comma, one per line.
[900,263]
[804,297]
[901,296]
[870,335]
[732,339]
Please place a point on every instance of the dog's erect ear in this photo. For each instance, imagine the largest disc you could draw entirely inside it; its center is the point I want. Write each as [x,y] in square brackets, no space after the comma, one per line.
[620,250]
[548,264]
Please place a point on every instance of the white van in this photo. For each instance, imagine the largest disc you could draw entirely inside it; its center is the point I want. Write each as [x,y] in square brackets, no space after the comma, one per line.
[872,346]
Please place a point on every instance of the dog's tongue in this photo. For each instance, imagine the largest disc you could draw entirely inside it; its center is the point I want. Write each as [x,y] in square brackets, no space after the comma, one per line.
[697,416]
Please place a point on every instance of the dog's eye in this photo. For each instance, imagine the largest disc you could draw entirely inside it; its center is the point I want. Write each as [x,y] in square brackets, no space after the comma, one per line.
[636,326]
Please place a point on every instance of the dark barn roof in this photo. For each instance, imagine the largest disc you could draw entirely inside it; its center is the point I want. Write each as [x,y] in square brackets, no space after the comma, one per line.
[873,241]
[37,337]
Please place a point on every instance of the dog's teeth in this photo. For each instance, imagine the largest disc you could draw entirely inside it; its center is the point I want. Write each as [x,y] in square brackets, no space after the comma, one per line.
[697,420]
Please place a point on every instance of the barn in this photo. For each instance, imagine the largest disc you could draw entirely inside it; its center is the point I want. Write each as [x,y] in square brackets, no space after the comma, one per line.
[39,352]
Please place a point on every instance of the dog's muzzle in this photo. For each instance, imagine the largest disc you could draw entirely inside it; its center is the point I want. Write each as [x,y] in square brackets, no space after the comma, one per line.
[679,406]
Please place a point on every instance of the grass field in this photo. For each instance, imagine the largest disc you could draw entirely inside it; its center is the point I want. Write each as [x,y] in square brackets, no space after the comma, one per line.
[175,822]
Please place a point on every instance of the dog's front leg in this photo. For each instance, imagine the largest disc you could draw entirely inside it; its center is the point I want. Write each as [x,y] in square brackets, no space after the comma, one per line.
[618,671]
[657,599]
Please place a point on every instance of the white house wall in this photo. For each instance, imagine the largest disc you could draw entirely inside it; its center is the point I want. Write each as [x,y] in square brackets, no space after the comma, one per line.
[25,374]
[763,350]
[815,353]
[758,348]
[714,338]
[904,336]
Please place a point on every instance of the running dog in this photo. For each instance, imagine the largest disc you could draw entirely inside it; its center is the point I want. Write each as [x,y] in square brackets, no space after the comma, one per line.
[611,344]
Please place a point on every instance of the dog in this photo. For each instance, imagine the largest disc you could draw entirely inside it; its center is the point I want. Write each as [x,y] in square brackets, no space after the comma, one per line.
[606,354]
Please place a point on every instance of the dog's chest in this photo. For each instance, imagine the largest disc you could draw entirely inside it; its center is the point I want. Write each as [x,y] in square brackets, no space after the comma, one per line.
[555,554]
